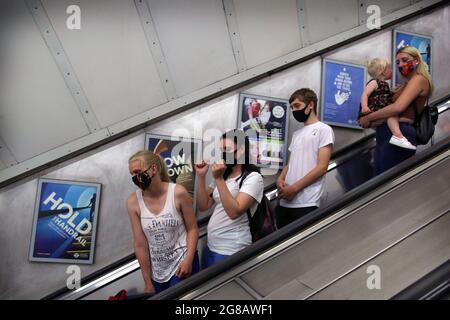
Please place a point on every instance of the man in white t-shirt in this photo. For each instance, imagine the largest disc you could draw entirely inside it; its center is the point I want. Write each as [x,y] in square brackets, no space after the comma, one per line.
[301,182]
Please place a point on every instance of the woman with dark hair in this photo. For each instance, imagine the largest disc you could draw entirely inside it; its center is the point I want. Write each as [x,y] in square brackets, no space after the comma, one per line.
[228,227]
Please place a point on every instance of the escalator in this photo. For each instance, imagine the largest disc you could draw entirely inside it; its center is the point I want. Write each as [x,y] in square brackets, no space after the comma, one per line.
[245,274]
[433,286]
[399,229]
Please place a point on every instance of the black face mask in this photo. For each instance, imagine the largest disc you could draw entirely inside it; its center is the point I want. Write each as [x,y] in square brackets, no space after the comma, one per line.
[300,115]
[142,180]
[229,155]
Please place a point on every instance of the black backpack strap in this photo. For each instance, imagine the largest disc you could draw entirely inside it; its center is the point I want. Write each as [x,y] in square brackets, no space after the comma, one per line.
[243,177]
[416,111]
[249,215]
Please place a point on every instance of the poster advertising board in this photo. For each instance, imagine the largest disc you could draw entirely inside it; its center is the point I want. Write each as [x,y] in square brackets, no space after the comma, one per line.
[265,120]
[421,42]
[65,221]
[342,86]
[179,155]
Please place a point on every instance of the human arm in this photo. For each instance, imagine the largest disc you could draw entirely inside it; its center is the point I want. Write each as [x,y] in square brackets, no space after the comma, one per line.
[411,91]
[281,180]
[184,205]
[204,201]
[324,155]
[141,247]
[234,207]
[371,87]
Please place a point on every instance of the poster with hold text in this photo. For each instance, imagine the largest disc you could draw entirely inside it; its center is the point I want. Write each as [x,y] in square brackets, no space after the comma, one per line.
[179,155]
[65,221]
[421,42]
[342,86]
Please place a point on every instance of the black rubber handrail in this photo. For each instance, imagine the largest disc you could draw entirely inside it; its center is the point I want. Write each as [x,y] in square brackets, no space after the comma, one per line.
[301,224]
[431,286]
[204,220]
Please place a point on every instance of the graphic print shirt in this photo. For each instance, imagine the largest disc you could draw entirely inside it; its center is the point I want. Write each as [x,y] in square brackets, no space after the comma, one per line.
[166,236]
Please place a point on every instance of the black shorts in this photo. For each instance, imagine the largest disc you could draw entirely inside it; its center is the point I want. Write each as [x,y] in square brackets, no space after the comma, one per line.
[288,215]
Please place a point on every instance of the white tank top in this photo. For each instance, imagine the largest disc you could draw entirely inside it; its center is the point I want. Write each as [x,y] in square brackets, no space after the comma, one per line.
[166,236]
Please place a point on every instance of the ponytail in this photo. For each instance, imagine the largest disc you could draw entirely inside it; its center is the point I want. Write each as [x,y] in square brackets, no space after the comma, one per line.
[149,158]
[163,170]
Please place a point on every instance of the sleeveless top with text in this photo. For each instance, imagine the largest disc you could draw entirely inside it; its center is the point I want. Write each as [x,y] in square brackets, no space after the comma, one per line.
[166,236]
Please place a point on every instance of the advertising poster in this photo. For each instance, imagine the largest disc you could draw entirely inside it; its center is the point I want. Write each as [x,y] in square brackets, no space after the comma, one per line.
[342,86]
[65,221]
[179,155]
[265,120]
[420,42]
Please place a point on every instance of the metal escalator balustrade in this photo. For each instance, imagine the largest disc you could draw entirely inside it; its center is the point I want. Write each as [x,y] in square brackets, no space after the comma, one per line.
[130,265]
[278,241]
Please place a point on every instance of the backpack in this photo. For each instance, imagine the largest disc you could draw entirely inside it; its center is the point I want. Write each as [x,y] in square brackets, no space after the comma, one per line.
[263,222]
[424,123]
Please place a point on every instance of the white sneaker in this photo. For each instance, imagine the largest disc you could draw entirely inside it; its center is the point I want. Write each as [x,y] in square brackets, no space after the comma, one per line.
[402,143]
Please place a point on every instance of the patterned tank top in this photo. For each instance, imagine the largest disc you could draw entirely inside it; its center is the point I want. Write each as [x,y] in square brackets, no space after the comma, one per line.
[380,97]
[166,236]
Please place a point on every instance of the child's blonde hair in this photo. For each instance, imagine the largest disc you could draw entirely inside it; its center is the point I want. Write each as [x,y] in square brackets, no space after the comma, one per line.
[377,66]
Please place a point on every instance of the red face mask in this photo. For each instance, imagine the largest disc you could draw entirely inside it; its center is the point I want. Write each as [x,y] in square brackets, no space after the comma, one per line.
[407,68]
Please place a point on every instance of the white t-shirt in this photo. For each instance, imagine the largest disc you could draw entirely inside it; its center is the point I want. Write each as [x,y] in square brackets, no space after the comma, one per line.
[227,236]
[304,149]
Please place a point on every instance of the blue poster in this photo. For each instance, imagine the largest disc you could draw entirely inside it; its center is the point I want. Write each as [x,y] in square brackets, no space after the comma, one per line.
[65,222]
[342,87]
[420,42]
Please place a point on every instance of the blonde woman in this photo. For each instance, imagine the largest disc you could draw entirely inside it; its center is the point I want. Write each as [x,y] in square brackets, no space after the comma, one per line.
[377,95]
[163,222]
[407,100]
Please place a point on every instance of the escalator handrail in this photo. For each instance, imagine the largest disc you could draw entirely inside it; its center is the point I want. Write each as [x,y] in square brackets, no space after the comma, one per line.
[302,223]
[428,286]
[204,220]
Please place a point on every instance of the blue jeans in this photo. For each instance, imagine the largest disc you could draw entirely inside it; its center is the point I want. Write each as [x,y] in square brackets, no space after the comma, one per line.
[387,155]
[210,257]
[161,286]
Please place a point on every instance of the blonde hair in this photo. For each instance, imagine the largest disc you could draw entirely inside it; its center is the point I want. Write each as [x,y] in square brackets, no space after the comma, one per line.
[377,66]
[149,159]
[422,67]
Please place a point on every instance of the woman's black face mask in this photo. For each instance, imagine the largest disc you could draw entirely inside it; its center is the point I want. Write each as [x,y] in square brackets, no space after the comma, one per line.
[230,165]
[142,180]
[229,156]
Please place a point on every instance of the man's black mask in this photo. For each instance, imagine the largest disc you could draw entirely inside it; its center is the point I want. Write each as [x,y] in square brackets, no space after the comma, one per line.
[300,115]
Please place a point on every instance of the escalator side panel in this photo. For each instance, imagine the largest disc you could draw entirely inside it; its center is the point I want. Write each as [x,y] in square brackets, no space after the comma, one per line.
[313,261]
[231,289]
[295,290]
[400,266]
